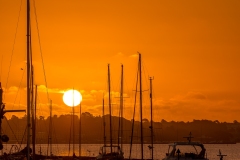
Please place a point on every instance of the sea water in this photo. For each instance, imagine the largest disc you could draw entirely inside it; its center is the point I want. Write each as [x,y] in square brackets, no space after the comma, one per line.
[231,150]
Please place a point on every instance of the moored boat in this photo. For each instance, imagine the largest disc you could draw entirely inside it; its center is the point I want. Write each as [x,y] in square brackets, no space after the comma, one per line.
[186,150]
[105,153]
[109,152]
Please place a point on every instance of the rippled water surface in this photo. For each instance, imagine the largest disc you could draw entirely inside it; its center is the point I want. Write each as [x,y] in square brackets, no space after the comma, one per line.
[231,150]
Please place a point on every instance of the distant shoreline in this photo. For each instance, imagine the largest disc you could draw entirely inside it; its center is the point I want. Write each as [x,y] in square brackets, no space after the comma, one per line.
[114,143]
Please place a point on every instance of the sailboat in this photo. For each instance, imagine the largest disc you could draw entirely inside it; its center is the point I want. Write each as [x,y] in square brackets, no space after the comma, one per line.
[139,89]
[27,150]
[140,102]
[109,152]
[26,153]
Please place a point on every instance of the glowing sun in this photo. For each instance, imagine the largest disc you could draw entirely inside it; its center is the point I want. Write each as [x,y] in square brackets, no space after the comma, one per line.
[72,98]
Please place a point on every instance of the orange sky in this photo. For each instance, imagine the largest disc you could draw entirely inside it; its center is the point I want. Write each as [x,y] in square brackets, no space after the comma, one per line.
[190,47]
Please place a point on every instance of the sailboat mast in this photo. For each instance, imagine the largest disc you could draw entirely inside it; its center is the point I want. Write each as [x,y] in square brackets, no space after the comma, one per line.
[34,123]
[73,126]
[151,127]
[50,128]
[140,86]
[104,126]
[121,109]
[109,101]
[80,131]
[28,79]
[134,111]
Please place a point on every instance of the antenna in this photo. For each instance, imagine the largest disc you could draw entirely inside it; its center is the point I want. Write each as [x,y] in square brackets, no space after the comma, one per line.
[221,155]
[189,138]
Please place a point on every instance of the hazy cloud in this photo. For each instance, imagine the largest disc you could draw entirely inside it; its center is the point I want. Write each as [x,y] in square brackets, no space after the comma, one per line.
[120,54]
[185,107]
[12,90]
[134,55]
[195,95]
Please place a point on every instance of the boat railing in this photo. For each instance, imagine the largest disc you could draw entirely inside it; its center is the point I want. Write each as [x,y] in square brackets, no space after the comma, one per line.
[14,147]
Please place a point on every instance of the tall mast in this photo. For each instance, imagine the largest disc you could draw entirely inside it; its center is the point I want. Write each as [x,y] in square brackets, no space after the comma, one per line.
[109,101]
[134,110]
[28,79]
[80,131]
[140,86]
[34,123]
[121,109]
[104,126]
[151,127]
[50,128]
[32,112]
[73,123]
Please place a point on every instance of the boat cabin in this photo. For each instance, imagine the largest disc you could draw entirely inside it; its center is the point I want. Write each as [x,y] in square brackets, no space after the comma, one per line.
[105,153]
[186,150]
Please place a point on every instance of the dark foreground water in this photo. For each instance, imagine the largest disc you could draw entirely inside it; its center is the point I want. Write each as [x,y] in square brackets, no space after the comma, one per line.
[231,150]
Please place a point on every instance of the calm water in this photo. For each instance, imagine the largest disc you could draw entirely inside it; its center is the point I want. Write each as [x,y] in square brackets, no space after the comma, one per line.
[231,150]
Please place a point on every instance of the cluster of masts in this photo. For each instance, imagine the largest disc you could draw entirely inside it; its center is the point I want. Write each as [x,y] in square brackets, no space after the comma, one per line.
[120,134]
[29,83]
[4,138]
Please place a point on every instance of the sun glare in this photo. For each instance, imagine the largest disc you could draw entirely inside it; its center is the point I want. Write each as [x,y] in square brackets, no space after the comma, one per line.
[72,98]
